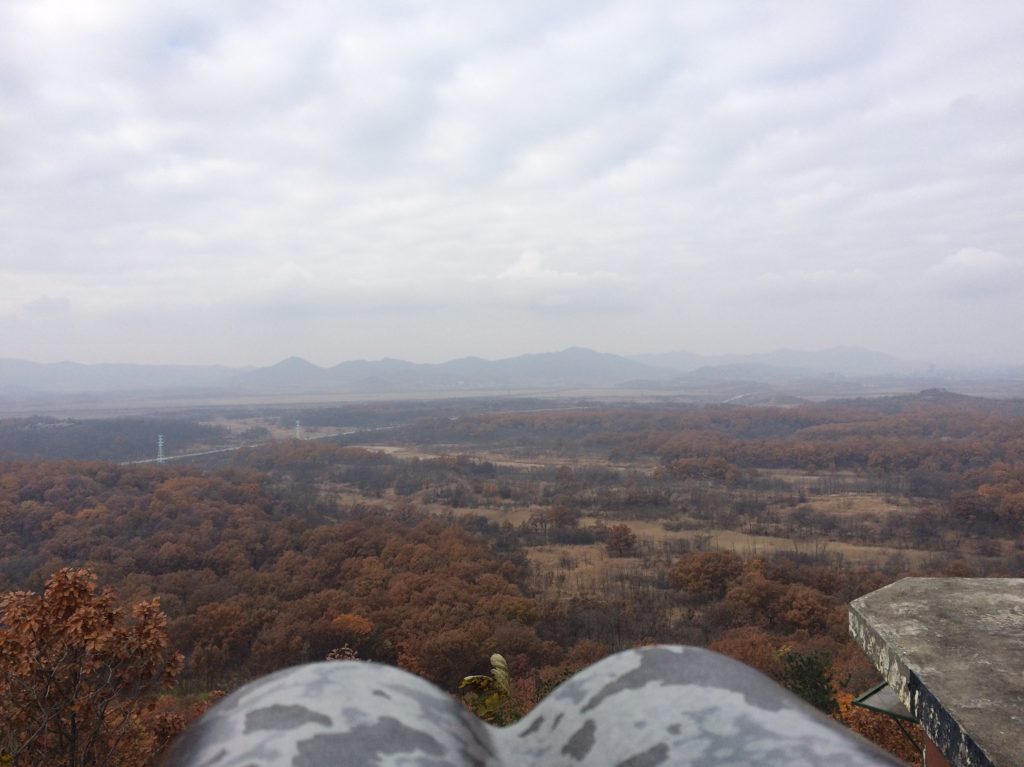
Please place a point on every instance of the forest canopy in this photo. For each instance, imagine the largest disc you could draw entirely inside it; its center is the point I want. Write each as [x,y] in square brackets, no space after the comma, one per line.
[552,538]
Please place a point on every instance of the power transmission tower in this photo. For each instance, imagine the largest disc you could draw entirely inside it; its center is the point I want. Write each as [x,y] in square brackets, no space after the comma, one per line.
[160,448]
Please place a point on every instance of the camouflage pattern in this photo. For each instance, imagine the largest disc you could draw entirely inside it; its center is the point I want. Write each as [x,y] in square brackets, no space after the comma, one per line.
[639,708]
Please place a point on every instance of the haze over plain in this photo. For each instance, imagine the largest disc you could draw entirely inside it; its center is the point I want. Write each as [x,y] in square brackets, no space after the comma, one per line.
[241,183]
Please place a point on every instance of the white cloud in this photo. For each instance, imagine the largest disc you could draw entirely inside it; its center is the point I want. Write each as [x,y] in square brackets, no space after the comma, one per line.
[817,285]
[174,158]
[529,282]
[973,272]
[49,305]
[529,269]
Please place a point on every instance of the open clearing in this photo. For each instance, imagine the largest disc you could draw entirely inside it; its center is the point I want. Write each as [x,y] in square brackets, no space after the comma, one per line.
[567,570]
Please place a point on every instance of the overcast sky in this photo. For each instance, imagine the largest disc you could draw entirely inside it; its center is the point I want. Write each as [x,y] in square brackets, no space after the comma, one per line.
[237,182]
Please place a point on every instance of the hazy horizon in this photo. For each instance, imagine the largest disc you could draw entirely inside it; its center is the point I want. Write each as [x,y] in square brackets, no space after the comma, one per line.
[712,357]
[237,184]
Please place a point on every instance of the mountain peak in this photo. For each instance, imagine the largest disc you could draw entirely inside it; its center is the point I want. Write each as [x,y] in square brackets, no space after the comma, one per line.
[294,363]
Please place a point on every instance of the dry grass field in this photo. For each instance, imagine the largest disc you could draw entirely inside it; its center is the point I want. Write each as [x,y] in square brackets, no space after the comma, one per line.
[567,570]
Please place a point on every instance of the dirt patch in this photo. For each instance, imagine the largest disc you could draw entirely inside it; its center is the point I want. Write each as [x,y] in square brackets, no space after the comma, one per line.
[513,515]
[568,571]
[859,504]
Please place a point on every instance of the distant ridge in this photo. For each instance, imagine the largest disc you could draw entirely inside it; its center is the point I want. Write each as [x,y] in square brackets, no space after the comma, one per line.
[850,361]
[67,377]
[574,367]
[768,377]
[571,367]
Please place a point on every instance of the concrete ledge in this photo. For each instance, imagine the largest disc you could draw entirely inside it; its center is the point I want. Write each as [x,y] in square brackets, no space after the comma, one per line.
[953,651]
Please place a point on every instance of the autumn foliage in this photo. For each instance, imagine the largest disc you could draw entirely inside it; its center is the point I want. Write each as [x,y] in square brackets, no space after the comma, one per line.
[621,541]
[300,550]
[76,673]
[883,730]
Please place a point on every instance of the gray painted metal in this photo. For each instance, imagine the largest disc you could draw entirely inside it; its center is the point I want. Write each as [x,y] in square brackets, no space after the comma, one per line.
[640,708]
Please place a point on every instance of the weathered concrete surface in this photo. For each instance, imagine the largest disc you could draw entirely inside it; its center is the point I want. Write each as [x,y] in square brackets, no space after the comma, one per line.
[671,706]
[953,650]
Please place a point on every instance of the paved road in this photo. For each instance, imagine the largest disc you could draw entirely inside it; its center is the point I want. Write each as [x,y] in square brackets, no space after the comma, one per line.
[233,448]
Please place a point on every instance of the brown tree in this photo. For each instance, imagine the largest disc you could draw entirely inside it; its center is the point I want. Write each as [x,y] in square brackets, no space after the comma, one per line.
[75,673]
[752,646]
[621,541]
[706,575]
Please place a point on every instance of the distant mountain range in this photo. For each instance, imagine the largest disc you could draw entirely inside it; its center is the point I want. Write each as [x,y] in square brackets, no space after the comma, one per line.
[845,361]
[571,368]
[20,376]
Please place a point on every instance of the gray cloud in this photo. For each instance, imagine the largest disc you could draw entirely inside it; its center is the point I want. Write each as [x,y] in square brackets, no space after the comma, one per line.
[48,305]
[976,273]
[620,175]
[820,285]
